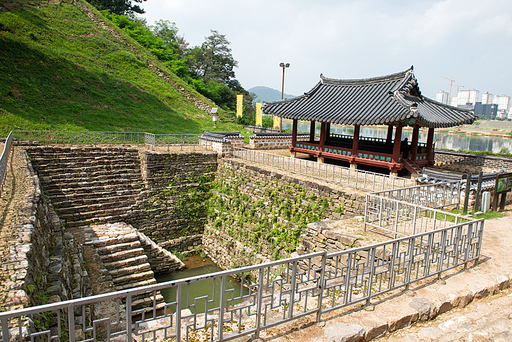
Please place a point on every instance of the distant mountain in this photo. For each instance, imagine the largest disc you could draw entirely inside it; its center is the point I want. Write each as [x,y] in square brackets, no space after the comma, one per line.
[268,94]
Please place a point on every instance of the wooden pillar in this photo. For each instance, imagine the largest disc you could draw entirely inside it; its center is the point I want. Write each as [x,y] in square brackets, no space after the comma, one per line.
[396,146]
[322,136]
[355,141]
[312,131]
[294,132]
[327,132]
[430,145]
[414,142]
[388,138]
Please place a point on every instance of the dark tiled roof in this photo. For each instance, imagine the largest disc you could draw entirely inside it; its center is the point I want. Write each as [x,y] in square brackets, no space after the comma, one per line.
[371,101]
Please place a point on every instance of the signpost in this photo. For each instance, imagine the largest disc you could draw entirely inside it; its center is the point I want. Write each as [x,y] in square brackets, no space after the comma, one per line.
[502,186]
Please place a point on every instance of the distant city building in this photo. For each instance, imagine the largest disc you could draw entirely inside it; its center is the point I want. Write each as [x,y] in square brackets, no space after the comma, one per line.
[488,110]
[487,98]
[443,97]
[503,102]
[466,98]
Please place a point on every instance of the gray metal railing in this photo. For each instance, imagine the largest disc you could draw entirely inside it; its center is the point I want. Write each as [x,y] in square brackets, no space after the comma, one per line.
[358,179]
[268,295]
[4,160]
[438,195]
[109,138]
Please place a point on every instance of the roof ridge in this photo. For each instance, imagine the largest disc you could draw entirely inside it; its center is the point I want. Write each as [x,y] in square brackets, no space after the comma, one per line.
[370,80]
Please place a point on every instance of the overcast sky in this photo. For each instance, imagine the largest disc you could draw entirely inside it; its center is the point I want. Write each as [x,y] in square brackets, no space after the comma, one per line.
[467,40]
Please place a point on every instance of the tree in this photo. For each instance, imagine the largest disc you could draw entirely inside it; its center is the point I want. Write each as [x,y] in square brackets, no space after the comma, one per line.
[168,31]
[118,6]
[213,60]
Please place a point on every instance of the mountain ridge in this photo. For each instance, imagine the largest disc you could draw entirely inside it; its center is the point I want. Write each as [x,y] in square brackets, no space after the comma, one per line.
[268,94]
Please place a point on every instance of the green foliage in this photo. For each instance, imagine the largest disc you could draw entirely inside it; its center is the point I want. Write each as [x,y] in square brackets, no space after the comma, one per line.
[118,6]
[61,71]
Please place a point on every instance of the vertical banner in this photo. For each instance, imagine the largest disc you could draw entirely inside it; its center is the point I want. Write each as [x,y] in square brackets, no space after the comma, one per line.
[239,102]
[258,114]
[276,122]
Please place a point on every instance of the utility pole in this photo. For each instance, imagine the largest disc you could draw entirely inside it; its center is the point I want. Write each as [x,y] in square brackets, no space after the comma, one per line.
[284,66]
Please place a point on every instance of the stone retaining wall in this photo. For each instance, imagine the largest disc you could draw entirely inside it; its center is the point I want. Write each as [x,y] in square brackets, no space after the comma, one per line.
[173,204]
[45,263]
[270,142]
[256,215]
[454,160]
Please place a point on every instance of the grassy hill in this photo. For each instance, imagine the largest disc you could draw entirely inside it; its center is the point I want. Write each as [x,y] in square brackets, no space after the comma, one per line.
[63,69]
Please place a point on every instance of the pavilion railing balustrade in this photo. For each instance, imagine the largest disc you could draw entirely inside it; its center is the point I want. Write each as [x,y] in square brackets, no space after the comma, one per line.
[268,294]
[4,160]
[359,179]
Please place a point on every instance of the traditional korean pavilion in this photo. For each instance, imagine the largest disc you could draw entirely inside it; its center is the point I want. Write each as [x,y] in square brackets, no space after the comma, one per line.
[393,100]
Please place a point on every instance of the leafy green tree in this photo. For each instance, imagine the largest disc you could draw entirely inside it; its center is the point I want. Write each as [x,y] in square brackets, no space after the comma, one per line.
[213,60]
[118,6]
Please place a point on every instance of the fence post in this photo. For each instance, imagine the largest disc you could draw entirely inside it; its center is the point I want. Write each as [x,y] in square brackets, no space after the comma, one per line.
[466,197]
[478,190]
[320,286]
[258,304]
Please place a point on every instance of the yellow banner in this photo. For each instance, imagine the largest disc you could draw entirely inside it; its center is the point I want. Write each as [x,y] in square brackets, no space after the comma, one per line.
[239,102]
[258,114]
[276,122]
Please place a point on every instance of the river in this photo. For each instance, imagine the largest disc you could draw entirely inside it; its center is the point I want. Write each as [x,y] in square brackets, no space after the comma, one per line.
[448,141]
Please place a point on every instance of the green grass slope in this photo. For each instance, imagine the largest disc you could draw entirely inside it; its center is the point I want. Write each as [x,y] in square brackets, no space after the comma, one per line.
[60,70]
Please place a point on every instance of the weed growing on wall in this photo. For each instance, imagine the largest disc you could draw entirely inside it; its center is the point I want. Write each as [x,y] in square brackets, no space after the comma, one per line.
[265,214]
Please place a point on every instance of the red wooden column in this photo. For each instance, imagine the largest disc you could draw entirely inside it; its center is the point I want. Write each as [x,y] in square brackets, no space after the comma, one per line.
[322,136]
[388,138]
[430,145]
[414,142]
[327,132]
[396,146]
[355,141]
[312,131]
[294,133]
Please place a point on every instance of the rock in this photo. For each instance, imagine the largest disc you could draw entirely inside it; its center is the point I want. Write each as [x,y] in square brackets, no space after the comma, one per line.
[342,332]
[423,306]
[429,334]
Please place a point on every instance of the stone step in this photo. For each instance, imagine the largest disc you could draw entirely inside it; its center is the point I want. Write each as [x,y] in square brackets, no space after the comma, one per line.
[146,282]
[91,204]
[83,188]
[90,152]
[122,255]
[133,278]
[146,302]
[85,173]
[84,168]
[97,220]
[107,240]
[140,259]
[120,272]
[98,214]
[109,249]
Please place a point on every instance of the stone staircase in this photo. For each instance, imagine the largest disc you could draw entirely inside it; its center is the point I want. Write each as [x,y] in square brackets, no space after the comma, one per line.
[89,185]
[120,251]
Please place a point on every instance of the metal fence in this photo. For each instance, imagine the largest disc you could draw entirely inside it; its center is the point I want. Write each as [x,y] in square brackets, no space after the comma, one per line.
[4,159]
[403,218]
[358,179]
[268,294]
[108,138]
[438,195]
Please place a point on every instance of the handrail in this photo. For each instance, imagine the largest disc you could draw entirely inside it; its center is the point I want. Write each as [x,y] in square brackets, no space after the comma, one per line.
[269,294]
[3,160]
[358,179]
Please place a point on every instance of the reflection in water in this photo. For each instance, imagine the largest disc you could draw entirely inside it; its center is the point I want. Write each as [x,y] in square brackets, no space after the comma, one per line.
[200,288]
[447,141]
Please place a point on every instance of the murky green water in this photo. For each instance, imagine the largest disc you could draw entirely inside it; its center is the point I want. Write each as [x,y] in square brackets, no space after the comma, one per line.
[205,290]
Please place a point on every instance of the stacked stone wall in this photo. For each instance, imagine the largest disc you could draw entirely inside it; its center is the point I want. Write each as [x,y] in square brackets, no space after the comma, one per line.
[256,215]
[45,263]
[274,142]
[457,160]
[172,209]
